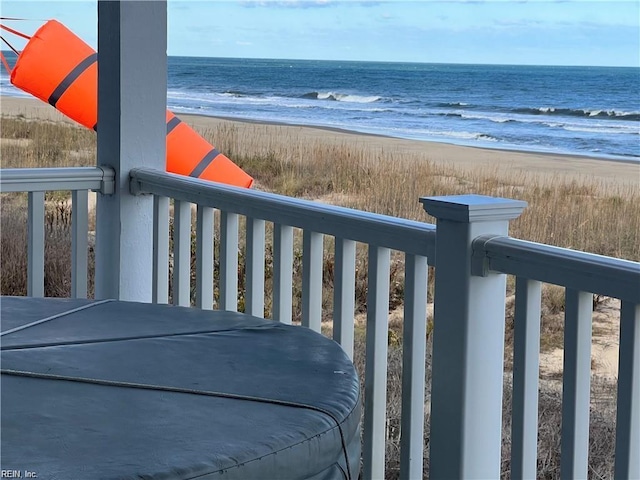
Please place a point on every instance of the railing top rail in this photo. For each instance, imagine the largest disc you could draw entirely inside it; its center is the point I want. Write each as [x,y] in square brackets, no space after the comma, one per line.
[588,272]
[64,178]
[381,230]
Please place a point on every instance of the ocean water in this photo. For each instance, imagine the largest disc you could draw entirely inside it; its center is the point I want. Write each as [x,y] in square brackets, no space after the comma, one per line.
[593,111]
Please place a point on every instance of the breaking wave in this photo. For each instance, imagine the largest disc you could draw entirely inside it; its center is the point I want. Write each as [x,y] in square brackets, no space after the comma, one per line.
[610,114]
[341,97]
[453,104]
[571,112]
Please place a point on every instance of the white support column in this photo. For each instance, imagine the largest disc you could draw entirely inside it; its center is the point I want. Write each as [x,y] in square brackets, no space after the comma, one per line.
[181,253]
[414,351]
[254,267]
[79,242]
[468,346]
[375,375]
[526,371]
[229,261]
[132,89]
[160,250]
[204,258]
[344,294]
[35,242]
[282,273]
[576,384]
[312,251]
[628,413]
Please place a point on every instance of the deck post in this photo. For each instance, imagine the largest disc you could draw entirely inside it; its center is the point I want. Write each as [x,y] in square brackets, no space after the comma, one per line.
[468,342]
[132,90]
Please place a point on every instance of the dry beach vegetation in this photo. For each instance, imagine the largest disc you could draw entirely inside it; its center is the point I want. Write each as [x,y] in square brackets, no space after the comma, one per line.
[579,203]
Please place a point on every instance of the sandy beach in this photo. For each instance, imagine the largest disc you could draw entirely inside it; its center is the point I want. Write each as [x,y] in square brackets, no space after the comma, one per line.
[605,171]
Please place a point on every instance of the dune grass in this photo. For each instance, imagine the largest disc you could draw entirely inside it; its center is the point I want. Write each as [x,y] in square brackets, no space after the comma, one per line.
[581,214]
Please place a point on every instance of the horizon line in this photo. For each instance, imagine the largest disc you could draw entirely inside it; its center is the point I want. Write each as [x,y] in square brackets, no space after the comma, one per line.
[12,54]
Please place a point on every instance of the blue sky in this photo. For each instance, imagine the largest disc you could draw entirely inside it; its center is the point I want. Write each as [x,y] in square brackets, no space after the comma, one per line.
[539,32]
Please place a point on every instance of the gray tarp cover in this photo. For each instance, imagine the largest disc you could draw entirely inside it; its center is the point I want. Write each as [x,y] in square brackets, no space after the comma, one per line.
[128,390]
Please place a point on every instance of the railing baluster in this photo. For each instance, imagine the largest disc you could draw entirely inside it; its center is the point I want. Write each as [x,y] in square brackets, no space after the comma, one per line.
[576,384]
[160,281]
[254,268]
[627,464]
[375,384]
[229,261]
[204,258]
[181,253]
[35,274]
[282,273]
[344,290]
[414,351]
[79,242]
[312,250]
[526,353]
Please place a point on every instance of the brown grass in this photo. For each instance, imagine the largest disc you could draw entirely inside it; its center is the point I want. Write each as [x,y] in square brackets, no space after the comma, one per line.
[579,214]
[31,144]
[583,215]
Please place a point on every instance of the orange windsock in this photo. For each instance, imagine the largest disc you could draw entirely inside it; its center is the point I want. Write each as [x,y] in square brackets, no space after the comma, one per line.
[204,161]
[57,67]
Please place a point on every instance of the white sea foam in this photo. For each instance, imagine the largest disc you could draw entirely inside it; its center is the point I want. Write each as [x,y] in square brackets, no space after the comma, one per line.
[343,97]
[608,130]
[461,135]
[492,118]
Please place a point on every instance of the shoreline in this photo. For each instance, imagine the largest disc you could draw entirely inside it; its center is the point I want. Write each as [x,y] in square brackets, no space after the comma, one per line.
[544,163]
[436,142]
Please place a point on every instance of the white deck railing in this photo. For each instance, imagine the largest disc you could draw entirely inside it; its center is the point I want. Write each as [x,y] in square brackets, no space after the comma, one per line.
[37,181]
[381,233]
[582,274]
[473,256]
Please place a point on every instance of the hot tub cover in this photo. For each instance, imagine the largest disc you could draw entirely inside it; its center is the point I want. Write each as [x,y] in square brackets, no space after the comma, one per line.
[127,390]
